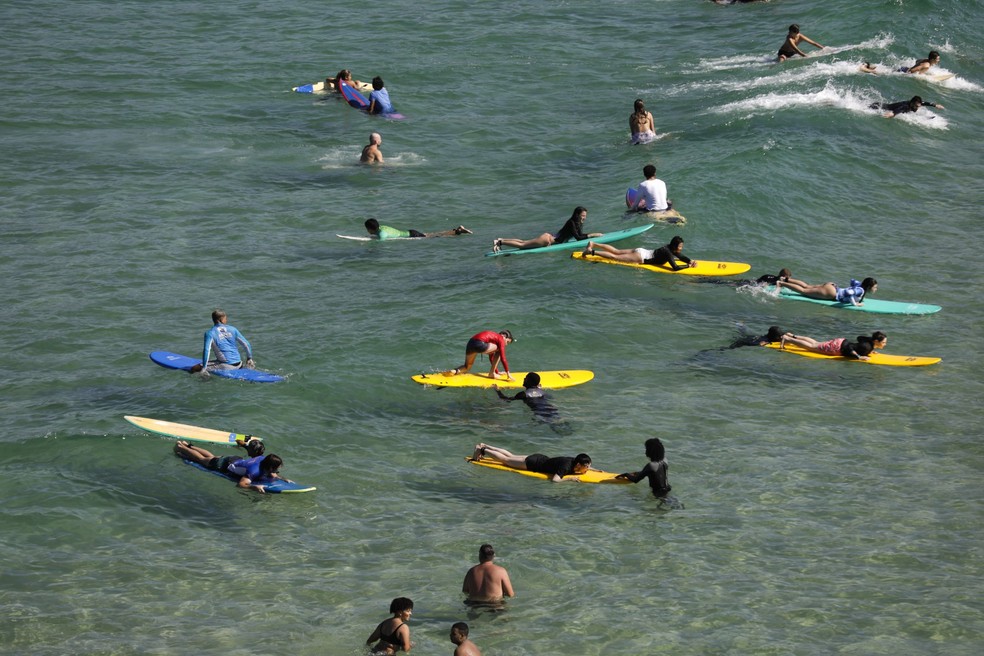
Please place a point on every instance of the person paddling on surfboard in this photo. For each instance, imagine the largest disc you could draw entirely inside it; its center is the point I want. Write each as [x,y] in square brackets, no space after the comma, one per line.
[859,350]
[854,293]
[254,472]
[572,230]
[922,66]
[490,343]
[226,340]
[385,232]
[558,470]
[790,47]
[904,106]
[669,254]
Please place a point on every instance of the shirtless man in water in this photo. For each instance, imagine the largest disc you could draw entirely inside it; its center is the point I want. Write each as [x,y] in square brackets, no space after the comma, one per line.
[487,581]
[790,47]
[371,153]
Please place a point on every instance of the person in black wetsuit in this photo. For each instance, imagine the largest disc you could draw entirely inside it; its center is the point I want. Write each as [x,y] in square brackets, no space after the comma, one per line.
[904,106]
[533,396]
[393,634]
[556,469]
[655,470]
[572,230]
[774,334]
[670,254]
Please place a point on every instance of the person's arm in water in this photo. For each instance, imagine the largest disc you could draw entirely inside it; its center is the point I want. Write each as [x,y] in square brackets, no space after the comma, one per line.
[520,396]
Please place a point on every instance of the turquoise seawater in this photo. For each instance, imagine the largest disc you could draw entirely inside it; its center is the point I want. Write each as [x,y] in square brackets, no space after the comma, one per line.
[154,165]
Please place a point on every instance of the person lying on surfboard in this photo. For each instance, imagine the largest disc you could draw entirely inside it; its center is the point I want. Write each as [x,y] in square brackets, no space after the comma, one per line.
[773,335]
[344,75]
[386,232]
[790,47]
[904,106]
[226,340]
[854,293]
[859,350]
[572,230]
[254,472]
[556,469]
[490,343]
[922,66]
[669,254]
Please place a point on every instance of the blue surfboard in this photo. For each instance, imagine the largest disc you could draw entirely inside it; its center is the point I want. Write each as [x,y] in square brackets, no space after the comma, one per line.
[277,486]
[170,360]
[356,99]
[606,238]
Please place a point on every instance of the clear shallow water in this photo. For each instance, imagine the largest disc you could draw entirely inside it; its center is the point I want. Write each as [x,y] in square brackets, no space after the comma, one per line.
[155,166]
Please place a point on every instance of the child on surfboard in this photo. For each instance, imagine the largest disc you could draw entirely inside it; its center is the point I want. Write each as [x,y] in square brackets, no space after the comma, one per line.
[790,47]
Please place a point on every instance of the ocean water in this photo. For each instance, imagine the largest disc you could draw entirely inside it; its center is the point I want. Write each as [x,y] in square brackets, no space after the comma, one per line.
[154,165]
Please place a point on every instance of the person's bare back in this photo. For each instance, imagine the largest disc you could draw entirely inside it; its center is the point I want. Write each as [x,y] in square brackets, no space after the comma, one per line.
[487,581]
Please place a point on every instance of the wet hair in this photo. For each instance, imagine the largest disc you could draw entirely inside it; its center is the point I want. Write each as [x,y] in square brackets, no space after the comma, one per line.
[649,170]
[461,628]
[775,334]
[876,336]
[933,54]
[640,107]
[508,335]
[271,464]
[486,552]
[576,214]
[655,449]
[785,273]
[582,459]
[532,379]
[676,241]
[343,74]
[254,447]
[794,28]
[218,315]
[401,604]
[868,283]
[377,83]
[372,225]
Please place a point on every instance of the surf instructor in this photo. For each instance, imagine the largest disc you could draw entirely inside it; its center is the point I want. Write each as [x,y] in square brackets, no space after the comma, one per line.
[490,343]
[226,340]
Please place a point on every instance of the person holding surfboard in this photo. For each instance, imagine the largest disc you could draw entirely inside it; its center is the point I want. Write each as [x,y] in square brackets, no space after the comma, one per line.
[379,99]
[670,254]
[558,469]
[385,232]
[226,340]
[572,230]
[393,634]
[641,124]
[345,75]
[790,47]
[854,293]
[922,66]
[655,470]
[486,581]
[904,106]
[859,350]
[490,343]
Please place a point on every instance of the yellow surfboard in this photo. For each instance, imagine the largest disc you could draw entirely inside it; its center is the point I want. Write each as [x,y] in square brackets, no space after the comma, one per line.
[874,358]
[548,379]
[591,476]
[186,431]
[703,268]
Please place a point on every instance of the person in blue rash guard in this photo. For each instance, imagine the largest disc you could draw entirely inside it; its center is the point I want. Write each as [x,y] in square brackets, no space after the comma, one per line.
[226,340]
[379,99]
[254,472]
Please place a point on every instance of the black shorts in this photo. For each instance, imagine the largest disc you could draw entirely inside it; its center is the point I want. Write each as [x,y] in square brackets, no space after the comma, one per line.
[476,346]
[416,234]
[535,462]
[219,464]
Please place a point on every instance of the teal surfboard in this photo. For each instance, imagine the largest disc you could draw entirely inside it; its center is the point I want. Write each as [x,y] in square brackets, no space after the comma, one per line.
[875,305]
[606,238]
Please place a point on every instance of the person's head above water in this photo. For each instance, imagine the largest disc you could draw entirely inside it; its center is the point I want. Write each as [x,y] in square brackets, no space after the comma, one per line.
[655,449]
[649,170]
[532,380]
[372,225]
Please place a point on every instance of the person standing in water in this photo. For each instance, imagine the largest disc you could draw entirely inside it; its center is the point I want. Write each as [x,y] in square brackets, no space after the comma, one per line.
[641,124]
[790,47]
[486,581]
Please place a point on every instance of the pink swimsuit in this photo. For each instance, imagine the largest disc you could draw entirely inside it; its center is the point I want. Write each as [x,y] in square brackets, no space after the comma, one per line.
[831,347]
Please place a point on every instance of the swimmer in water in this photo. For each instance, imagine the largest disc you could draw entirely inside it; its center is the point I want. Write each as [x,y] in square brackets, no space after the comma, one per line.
[790,47]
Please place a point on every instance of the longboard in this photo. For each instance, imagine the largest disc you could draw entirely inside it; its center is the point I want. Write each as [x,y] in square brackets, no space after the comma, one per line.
[874,358]
[357,100]
[548,379]
[666,216]
[875,305]
[319,87]
[606,238]
[590,476]
[277,486]
[703,268]
[186,431]
[367,238]
[170,360]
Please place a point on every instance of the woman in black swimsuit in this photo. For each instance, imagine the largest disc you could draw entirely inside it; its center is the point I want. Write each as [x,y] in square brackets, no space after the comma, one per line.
[393,634]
